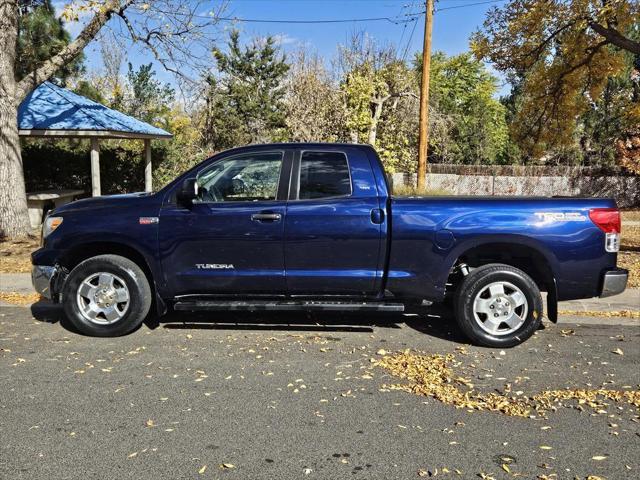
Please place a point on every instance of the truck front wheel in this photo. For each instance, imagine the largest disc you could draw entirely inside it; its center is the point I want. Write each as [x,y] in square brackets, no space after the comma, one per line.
[106,296]
[498,305]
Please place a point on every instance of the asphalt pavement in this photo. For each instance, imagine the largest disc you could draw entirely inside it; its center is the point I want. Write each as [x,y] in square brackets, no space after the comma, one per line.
[299,396]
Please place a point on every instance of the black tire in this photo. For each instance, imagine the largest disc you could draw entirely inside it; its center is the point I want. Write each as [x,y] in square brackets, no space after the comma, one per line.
[132,276]
[475,283]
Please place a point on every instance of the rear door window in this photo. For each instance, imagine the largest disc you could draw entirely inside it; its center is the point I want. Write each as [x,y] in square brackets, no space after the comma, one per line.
[324,175]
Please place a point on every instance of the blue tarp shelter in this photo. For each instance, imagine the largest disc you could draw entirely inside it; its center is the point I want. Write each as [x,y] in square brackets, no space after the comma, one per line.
[52,111]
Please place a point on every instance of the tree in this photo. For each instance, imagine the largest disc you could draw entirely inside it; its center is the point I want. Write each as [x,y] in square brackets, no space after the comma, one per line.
[88,90]
[563,53]
[110,80]
[610,118]
[314,104]
[373,77]
[40,36]
[245,100]
[168,28]
[472,123]
[150,99]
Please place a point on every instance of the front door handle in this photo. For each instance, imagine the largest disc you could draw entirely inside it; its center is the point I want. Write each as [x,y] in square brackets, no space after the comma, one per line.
[377,216]
[266,217]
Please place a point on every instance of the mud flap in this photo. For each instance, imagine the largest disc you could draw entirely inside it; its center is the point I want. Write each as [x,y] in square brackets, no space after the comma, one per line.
[552,302]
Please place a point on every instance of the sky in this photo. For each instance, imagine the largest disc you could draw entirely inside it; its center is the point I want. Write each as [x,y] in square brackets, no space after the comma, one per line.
[454,22]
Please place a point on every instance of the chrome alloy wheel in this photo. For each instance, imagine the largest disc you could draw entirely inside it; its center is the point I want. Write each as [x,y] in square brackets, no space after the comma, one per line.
[103,298]
[500,308]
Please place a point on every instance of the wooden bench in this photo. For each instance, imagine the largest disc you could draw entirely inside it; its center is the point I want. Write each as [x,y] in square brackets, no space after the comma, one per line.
[40,202]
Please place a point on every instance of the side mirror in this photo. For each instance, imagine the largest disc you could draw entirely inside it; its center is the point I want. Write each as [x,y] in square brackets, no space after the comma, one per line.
[187,193]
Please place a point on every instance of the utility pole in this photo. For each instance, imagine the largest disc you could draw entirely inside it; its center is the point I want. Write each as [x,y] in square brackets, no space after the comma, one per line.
[424,97]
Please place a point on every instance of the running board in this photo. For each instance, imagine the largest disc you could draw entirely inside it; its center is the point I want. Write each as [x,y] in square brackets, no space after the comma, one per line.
[274,305]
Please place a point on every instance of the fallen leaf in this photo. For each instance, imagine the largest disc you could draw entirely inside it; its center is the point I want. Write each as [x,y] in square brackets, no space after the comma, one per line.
[202,470]
[227,466]
[600,457]
[434,376]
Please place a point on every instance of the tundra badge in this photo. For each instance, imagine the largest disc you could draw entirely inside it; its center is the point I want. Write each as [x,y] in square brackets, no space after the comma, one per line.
[214,266]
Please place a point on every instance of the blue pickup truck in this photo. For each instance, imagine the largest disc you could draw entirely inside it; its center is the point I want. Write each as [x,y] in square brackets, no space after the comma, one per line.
[314,227]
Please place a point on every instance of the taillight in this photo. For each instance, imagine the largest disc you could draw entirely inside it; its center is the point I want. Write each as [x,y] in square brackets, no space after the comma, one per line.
[608,220]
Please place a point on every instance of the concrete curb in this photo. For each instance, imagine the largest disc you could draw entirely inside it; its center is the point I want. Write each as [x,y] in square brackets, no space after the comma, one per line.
[627,300]
[16,282]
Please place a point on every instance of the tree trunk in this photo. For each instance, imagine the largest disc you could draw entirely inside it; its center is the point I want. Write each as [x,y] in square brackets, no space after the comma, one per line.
[376,107]
[14,217]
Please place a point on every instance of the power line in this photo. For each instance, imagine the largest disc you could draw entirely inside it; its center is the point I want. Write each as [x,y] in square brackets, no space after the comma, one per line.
[400,19]
[404,30]
[396,20]
[468,5]
[404,55]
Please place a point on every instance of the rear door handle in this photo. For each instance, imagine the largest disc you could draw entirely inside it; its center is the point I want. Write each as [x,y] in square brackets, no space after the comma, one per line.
[266,217]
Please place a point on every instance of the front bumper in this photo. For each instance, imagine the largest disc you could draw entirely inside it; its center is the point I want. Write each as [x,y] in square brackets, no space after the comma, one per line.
[614,282]
[42,278]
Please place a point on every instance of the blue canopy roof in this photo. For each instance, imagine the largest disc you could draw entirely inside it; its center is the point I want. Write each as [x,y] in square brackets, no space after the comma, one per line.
[52,110]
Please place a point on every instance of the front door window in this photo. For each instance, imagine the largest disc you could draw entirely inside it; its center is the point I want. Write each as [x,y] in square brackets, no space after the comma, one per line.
[246,178]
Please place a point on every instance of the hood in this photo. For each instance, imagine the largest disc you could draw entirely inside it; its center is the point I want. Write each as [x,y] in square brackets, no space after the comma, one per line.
[107,201]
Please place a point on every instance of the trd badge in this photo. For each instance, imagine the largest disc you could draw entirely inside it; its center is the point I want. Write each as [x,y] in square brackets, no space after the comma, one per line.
[549,217]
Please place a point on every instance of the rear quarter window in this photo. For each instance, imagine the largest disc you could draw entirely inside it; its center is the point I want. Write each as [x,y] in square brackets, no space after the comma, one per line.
[324,175]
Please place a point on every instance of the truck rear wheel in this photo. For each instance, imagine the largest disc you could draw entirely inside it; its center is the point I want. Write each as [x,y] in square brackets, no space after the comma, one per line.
[107,296]
[498,305]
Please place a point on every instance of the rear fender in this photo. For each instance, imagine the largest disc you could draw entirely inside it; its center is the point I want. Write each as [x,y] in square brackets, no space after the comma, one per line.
[465,246]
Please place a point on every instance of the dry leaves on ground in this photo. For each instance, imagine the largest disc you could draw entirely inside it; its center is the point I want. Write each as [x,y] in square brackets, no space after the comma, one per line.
[15,256]
[434,376]
[630,215]
[596,313]
[630,238]
[631,261]
[16,298]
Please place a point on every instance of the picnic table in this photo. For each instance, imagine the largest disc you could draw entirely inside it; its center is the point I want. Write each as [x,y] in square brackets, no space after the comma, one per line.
[47,199]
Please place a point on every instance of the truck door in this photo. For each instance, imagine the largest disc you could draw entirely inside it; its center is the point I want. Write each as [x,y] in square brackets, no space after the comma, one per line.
[231,239]
[333,224]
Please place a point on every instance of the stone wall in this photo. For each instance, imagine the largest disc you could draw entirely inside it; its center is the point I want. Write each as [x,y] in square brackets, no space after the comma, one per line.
[462,180]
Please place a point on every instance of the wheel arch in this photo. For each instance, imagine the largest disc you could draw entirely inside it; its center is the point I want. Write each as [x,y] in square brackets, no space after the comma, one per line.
[83,251]
[517,251]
